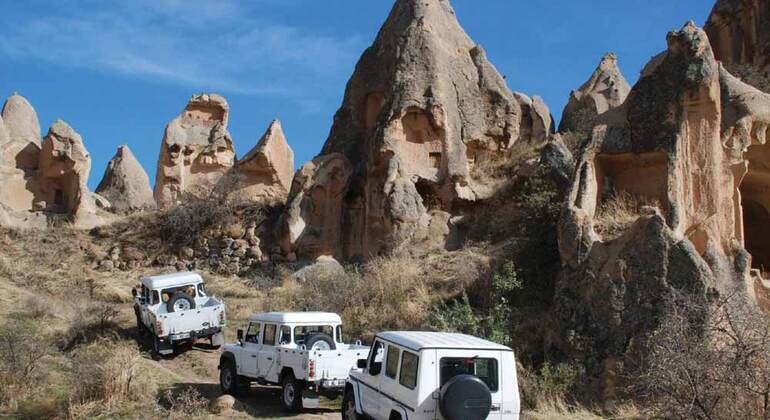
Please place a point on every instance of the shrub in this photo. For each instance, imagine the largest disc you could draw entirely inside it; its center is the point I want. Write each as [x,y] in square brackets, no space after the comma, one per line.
[104,375]
[182,224]
[22,350]
[708,361]
[184,403]
[618,212]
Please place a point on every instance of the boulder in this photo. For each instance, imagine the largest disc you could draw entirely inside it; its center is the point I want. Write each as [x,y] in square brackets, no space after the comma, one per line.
[222,404]
[265,173]
[196,152]
[604,90]
[423,115]
[125,184]
[21,148]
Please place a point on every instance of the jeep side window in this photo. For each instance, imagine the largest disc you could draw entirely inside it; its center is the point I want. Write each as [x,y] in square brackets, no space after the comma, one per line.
[284,335]
[269,338]
[482,368]
[375,358]
[252,335]
[409,363]
[391,362]
[201,291]
[155,297]
[339,333]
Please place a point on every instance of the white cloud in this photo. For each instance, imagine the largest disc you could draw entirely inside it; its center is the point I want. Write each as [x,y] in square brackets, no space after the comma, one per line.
[203,44]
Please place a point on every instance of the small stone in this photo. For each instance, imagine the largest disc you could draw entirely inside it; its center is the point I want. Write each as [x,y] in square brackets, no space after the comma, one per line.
[222,404]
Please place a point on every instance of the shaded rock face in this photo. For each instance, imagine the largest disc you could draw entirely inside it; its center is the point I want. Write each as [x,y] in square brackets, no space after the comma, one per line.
[422,113]
[196,151]
[312,224]
[739,31]
[681,144]
[20,144]
[265,173]
[604,90]
[125,184]
[63,173]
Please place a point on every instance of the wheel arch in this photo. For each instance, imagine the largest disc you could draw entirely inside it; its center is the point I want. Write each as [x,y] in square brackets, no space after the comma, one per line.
[286,371]
[227,357]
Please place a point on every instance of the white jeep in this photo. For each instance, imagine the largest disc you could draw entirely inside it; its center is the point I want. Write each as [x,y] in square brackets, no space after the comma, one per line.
[430,375]
[175,309]
[301,351]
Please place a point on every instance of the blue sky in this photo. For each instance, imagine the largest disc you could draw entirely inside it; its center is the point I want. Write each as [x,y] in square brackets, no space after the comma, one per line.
[119,70]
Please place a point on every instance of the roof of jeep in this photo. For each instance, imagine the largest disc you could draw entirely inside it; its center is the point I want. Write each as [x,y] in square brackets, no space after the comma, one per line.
[171,280]
[297,317]
[419,340]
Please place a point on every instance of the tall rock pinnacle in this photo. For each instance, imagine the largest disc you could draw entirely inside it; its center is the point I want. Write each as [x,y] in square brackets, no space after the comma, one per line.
[422,112]
[125,183]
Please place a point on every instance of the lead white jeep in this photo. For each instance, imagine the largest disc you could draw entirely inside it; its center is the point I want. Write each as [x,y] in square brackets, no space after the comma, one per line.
[174,309]
[430,375]
[302,352]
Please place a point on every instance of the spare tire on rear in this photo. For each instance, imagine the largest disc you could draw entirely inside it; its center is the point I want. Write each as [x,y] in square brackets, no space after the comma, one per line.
[319,339]
[465,397]
[180,301]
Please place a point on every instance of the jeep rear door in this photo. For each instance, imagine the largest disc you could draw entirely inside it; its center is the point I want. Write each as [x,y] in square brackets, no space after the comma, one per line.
[484,364]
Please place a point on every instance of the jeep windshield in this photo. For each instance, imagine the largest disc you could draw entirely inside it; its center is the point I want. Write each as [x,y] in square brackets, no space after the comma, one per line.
[482,368]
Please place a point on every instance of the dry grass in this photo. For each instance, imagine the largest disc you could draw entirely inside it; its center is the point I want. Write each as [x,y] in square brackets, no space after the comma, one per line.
[394,292]
[618,212]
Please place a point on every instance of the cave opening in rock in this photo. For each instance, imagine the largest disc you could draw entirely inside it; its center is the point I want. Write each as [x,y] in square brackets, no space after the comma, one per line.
[430,197]
[756,222]
[755,205]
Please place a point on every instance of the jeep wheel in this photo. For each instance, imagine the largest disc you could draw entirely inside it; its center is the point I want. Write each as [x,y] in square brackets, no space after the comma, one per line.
[228,379]
[180,302]
[320,341]
[349,406]
[291,393]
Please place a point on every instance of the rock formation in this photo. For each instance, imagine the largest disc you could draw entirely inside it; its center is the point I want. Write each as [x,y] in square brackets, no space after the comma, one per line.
[63,173]
[21,145]
[196,151]
[125,184]
[422,114]
[604,90]
[739,31]
[265,173]
[679,145]
[536,120]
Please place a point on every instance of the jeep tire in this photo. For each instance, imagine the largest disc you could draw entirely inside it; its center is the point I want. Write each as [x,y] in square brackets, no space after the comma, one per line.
[324,341]
[291,393]
[180,301]
[465,397]
[349,406]
[228,378]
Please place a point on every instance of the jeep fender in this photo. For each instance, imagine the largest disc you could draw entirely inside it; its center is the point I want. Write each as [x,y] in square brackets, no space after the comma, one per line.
[227,357]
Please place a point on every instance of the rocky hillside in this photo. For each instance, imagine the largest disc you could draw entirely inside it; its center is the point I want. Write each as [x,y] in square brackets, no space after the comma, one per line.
[624,257]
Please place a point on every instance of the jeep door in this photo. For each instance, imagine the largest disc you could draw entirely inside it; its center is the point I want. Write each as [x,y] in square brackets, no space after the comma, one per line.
[247,362]
[483,364]
[369,384]
[267,354]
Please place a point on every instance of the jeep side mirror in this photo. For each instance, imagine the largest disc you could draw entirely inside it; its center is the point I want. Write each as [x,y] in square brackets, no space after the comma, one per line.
[133,292]
[239,334]
[361,363]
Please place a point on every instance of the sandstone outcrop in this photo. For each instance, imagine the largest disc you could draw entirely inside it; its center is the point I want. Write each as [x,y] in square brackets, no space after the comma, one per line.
[422,115]
[21,146]
[196,152]
[604,90]
[63,173]
[681,144]
[125,184]
[536,120]
[265,173]
[739,31]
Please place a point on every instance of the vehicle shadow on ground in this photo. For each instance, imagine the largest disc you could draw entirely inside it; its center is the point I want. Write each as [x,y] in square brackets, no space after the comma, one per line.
[258,401]
[144,340]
